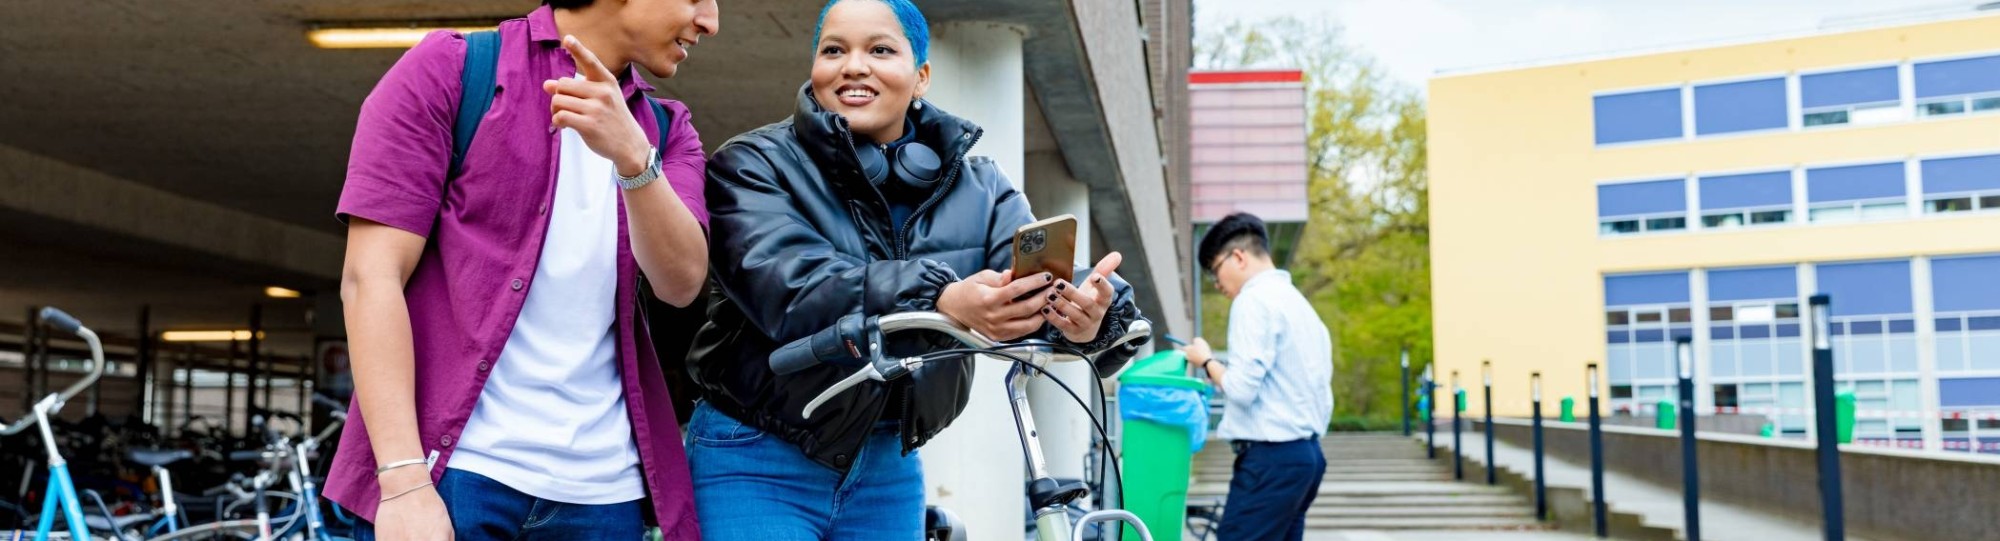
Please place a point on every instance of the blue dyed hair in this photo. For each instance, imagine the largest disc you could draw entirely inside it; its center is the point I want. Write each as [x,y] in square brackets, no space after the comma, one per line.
[915,28]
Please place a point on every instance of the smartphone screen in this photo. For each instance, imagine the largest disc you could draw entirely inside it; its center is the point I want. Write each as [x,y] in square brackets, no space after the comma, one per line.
[1046,246]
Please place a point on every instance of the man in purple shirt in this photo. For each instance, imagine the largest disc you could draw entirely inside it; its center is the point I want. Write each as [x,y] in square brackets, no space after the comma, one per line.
[505,386]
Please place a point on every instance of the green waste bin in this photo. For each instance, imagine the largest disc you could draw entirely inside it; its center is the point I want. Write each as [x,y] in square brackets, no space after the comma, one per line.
[1157,457]
[1843,416]
[1568,410]
[1665,415]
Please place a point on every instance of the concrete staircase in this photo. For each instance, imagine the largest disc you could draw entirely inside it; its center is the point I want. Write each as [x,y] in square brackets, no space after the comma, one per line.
[1383,482]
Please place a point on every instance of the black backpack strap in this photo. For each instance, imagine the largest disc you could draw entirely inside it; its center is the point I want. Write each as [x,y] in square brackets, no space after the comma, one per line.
[476,84]
[660,115]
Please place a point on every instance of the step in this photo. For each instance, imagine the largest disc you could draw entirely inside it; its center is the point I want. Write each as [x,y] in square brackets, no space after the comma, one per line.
[1338,467]
[1513,511]
[1366,489]
[1425,523]
[1420,500]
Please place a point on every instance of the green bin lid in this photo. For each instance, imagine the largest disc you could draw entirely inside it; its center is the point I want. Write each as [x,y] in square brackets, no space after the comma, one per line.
[1166,369]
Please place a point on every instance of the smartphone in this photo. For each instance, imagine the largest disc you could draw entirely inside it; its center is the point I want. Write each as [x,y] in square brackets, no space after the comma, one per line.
[1046,246]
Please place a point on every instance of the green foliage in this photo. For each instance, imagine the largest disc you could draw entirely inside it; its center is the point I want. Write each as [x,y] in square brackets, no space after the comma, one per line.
[1364,258]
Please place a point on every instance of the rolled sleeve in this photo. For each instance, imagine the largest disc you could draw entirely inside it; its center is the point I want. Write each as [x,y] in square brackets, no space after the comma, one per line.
[684,163]
[397,166]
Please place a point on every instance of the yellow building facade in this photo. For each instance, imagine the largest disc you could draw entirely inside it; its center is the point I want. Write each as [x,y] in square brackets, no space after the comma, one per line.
[1590,212]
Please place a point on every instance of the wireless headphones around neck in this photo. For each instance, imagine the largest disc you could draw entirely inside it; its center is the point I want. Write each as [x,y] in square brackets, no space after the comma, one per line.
[911,166]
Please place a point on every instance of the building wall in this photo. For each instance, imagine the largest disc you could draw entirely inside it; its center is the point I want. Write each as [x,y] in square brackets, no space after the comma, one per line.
[1519,263]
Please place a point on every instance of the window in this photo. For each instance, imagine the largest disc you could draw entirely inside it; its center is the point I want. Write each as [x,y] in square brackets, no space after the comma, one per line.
[1741,106]
[1725,396]
[1952,87]
[1637,116]
[1856,192]
[1644,314]
[1850,97]
[1635,207]
[1961,184]
[1729,201]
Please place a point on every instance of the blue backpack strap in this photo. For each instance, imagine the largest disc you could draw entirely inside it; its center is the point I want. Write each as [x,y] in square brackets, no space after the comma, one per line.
[476,84]
[663,118]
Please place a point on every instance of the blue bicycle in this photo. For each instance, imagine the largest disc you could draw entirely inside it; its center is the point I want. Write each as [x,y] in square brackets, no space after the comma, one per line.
[61,490]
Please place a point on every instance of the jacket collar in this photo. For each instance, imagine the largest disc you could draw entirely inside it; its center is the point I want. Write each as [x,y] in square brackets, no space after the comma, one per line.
[826,139]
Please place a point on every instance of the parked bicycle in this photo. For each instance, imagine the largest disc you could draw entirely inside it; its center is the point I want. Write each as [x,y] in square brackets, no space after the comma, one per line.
[1049,498]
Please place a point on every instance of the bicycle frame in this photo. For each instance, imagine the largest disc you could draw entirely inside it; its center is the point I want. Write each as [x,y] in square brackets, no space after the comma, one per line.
[1048,497]
[62,489]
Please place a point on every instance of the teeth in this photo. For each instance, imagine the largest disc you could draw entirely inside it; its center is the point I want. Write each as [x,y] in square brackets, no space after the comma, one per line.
[858,93]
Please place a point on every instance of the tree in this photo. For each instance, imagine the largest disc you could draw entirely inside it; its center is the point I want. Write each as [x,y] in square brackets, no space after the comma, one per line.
[1364,257]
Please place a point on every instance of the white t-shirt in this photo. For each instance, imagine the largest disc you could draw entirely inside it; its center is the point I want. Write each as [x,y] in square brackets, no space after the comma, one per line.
[551,421]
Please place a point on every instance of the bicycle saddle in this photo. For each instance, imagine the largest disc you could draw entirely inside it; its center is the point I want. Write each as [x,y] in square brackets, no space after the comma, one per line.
[157,457]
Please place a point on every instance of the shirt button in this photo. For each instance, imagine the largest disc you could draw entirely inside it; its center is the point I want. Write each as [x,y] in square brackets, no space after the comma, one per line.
[516,284]
[483,366]
[445,441]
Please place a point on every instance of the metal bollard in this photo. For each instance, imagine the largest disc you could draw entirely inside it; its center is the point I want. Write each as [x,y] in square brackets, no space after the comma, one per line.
[1406,392]
[1457,428]
[1597,510]
[1690,470]
[1486,374]
[1832,506]
[1431,418]
[1535,411]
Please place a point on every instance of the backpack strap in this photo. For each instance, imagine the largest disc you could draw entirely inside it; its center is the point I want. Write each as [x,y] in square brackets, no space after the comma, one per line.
[661,116]
[476,83]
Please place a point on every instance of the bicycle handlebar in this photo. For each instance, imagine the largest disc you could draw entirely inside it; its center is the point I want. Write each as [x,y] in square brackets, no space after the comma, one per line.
[64,322]
[879,368]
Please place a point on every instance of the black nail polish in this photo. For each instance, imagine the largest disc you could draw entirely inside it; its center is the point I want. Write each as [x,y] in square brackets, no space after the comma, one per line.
[1059,286]
[1052,297]
[1049,277]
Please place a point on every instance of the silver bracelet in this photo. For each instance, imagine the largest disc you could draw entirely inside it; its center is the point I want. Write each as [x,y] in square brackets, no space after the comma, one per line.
[398,464]
[405,493]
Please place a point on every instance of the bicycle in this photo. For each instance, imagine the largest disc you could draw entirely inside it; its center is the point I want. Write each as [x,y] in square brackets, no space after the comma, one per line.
[1050,499]
[61,493]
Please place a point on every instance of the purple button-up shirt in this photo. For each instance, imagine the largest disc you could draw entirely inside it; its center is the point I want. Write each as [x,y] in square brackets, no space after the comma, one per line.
[485,229]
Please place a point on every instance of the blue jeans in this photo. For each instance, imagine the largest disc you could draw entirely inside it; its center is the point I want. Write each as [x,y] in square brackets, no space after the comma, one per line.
[482,508]
[1273,486]
[752,486]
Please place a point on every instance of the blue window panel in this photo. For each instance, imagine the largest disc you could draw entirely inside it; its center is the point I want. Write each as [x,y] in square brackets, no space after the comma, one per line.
[1755,331]
[1950,352]
[1756,359]
[1865,327]
[1749,190]
[1968,392]
[1788,330]
[1634,198]
[1722,332]
[1836,329]
[1648,335]
[1949,324]
[1722,361]
[1871,85]
[1680,332]
[1750,284]
[1791,361]
[1617,337]
[1966,283]
[1849,183]
[1638,116]
[1642,289]
[1903,354]
[1967,174]
[1983,323]
[1744,106]
[1958,77]
[1902,326]
[1860,289]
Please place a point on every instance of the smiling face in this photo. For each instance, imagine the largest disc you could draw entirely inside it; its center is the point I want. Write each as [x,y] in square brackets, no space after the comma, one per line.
[865,70]
[663,30]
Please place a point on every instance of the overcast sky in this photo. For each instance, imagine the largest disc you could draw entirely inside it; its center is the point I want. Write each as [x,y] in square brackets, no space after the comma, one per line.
[1415,39]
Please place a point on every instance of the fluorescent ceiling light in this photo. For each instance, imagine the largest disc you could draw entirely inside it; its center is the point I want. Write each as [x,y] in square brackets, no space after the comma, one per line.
[204,336]
[380,37]
[276,292]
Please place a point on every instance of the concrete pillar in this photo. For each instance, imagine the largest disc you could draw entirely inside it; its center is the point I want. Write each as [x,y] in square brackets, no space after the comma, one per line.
[975,468]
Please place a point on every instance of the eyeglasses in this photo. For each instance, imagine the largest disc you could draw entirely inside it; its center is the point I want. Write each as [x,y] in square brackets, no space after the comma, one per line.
[1214,271]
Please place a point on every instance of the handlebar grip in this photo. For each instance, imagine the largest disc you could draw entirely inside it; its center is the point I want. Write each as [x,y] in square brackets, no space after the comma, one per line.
[846,343]
[246,456]
[60,320]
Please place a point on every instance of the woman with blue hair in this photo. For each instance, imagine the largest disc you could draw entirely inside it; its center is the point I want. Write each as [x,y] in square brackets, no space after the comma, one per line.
[861,202]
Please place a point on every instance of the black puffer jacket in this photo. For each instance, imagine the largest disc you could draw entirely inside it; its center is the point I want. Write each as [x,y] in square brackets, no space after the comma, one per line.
[801,239]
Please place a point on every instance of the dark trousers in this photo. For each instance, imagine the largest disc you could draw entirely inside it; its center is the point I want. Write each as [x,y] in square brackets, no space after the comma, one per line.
[1274,484]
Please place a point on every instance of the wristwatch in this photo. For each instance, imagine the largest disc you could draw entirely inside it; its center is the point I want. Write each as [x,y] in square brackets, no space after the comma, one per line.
[646,176]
